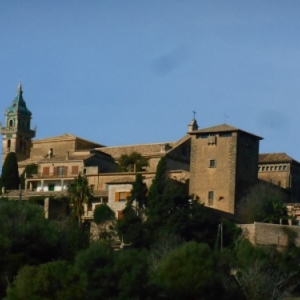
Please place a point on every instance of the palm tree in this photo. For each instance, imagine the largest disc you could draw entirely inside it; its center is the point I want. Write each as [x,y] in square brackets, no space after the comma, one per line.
[79,193]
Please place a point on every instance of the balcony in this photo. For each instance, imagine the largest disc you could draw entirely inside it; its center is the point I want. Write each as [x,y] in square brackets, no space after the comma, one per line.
[51,176]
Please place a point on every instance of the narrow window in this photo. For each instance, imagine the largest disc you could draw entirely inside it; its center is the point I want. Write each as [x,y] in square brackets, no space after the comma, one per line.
[46,171]
[60,171]
[210,197]
[212,163]
[75,170]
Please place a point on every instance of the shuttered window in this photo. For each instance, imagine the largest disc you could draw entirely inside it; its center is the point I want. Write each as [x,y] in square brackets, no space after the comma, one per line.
[121,196]
[75,170]
[45,170]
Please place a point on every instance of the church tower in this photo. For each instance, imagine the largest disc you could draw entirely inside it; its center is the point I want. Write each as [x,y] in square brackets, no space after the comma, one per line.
[16,134]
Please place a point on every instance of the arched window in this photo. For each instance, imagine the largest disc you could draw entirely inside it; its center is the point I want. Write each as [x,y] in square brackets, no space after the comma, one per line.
[11,123]
[8,143]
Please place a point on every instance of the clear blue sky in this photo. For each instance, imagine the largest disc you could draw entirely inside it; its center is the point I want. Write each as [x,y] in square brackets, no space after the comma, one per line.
[126,72]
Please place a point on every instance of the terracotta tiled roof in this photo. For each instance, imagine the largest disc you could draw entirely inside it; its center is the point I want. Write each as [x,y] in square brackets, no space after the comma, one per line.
[275,158]
[221,128]
[144,149]
[64,137]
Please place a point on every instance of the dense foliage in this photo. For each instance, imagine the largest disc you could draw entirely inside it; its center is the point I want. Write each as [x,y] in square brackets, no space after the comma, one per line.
[263,203]
[80,193]
[10,174]
[29,170]
[173,250]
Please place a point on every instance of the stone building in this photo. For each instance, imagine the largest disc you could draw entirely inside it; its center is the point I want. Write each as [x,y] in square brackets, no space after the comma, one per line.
[218,163]
[16,133]
[281,170]
[224,162]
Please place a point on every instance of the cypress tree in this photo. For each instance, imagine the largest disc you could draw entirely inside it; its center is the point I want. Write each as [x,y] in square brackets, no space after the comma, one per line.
[10,174]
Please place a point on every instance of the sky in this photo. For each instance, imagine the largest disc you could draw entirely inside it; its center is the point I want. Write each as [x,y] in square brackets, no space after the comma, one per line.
[122,72]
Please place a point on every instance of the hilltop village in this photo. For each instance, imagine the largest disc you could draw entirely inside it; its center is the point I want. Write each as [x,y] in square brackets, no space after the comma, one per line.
[186,238]
[217,163]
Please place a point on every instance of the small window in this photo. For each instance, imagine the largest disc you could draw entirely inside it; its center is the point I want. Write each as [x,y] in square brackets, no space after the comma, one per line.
[121,196]
[271,168]
[210,197]
[275,168]
[263,168]
[225,134]
[8,143]
[284,168]
[202,136]
[280,168]
[267,168]
[212,163]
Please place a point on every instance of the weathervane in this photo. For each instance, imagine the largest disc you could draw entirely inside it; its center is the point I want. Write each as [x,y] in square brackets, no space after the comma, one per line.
[194,113]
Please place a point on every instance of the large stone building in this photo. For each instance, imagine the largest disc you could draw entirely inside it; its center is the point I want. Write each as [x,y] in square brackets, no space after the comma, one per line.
[281,170]
[218,163]
[224,162]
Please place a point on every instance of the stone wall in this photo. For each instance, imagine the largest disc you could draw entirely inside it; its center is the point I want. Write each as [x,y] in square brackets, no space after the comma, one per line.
[264,234]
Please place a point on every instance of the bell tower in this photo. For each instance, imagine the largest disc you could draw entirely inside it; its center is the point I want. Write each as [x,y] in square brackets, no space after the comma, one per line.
[16,134]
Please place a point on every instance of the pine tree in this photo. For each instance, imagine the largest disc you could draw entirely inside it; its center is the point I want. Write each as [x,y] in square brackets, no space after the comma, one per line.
[10,174]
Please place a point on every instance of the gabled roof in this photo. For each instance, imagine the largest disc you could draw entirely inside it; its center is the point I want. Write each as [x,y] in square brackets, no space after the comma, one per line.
[222,128]
[276,158]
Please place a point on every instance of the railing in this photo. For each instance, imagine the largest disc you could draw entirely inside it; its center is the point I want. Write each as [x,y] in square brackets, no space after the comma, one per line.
[39,175]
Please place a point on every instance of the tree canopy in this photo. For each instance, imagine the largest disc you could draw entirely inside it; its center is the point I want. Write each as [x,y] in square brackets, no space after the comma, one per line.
[263,203]
[10,174]
[79,193]
[132,162]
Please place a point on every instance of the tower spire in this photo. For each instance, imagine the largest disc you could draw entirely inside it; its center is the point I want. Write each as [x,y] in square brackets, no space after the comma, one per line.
[19,88]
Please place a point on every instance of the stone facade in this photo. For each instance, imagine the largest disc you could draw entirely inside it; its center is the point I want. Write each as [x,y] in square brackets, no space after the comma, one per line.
[224,163]
[281,170]
[263,234]
[16,134]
